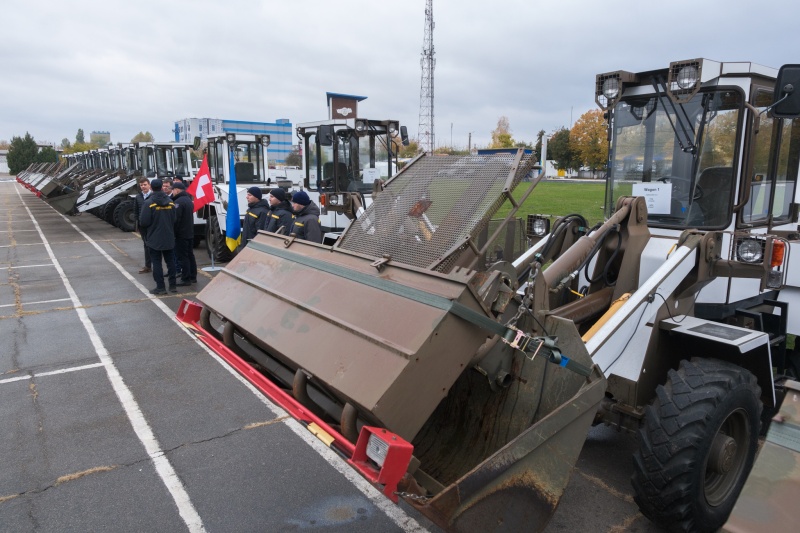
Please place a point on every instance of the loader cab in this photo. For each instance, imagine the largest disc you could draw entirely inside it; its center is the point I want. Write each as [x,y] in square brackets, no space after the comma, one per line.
[344,157]
[697,141]
[250,158]
[164,160]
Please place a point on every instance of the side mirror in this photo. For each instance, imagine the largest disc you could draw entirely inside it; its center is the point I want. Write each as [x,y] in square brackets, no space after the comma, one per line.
[404,135]
[197,143]
[787,92]
[326,135]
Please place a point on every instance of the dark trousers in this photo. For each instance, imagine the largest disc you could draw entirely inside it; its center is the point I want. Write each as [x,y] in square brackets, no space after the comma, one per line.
[147,261]
[158,270]
[185,259]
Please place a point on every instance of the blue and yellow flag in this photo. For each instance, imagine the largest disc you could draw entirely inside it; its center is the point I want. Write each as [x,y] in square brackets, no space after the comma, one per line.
[233,225]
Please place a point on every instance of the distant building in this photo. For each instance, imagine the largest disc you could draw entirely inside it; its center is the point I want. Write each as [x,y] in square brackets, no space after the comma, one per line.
[4,161]
[101,138]
[281,132]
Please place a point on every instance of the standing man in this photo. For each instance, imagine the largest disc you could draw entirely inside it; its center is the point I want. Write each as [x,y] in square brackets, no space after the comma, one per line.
[306,218]
[158,218]
[257,215]
[184,234]
[280,212]
[138,203]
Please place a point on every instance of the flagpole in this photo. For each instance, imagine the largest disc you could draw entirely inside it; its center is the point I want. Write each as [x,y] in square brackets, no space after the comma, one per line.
[207,197]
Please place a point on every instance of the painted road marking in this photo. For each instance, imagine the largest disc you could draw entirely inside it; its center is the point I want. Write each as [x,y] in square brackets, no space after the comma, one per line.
[27,266]
[140,426]
[37,303]
[51,373]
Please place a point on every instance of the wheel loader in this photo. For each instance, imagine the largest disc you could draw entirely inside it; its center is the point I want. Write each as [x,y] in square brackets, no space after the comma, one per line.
[465,381]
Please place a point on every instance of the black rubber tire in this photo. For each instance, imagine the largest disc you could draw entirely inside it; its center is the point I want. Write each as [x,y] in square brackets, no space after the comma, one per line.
[108,209]
[674,482]
[124,215]
[215,242]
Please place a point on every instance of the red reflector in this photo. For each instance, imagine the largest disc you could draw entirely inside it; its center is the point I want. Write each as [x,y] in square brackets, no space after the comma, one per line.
[777,254]
[323,200]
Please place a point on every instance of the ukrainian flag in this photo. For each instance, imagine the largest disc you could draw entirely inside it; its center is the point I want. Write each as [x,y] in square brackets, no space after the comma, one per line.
[233,225]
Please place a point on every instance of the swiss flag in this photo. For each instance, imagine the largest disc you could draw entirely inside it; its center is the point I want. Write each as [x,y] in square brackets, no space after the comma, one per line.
[201,189]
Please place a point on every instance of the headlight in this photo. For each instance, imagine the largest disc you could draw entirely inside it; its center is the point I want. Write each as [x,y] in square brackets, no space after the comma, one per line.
[611,88]
[687,77]
[230,137]
[377,449]
[361,126]
[750,251]
[393,127]
[538,226]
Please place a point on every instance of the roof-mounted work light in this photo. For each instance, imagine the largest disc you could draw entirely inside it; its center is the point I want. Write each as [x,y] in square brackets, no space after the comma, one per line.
[609,87]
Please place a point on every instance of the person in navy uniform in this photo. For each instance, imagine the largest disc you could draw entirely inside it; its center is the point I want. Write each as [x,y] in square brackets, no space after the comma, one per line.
[306,218]
[158,218]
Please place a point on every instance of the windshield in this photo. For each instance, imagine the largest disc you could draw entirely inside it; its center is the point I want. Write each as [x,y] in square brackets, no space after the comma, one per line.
[181,165]
[680,157]
[361,160]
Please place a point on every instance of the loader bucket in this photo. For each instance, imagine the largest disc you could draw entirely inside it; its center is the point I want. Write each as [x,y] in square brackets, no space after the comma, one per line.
[366,343]
[63,203]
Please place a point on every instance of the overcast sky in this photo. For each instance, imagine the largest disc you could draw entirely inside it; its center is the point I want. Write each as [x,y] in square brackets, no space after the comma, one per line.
[126,67]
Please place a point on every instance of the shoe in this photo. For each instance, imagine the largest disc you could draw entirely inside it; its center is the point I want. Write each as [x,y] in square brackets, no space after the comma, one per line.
[194,281]
[173,288]
[145,270]
[183,283]
[158,290]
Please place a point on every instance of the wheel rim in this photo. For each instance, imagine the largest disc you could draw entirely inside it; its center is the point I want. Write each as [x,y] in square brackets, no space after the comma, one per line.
[728,455]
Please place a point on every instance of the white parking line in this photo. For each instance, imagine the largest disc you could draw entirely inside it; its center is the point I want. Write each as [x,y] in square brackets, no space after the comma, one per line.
[27,266]
[394,512]
[37,303]
[140,426]
[51,373]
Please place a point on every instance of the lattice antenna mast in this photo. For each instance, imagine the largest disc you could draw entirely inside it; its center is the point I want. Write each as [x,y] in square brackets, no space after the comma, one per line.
[428,63]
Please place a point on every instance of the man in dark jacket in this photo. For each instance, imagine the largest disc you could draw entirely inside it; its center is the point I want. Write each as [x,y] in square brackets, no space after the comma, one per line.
[158,219]
[138,203]
[184,233]
[257,215]
[280,212]
[306,218]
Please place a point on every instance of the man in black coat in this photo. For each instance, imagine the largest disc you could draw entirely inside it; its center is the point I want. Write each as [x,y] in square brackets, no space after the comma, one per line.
[280,212]
[257,215]
[158,219]
[138,203]
[184,234]
[306,218]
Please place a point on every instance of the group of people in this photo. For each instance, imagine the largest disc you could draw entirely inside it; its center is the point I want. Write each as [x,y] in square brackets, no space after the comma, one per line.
[164,216]
[281,213]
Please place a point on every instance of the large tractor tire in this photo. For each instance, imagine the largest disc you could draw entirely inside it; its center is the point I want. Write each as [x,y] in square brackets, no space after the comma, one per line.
[215,242]
[697,445]
[108,209]
[124,215]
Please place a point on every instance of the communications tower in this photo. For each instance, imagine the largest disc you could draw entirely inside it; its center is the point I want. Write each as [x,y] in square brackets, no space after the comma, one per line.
[428,62]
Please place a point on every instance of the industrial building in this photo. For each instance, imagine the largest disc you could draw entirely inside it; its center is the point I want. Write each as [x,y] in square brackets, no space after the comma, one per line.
[281,132]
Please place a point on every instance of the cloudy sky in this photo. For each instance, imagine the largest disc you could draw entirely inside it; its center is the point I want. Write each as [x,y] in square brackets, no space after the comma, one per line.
[126,67]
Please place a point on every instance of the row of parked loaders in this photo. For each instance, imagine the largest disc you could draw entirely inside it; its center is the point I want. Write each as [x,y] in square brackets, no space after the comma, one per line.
[104,182]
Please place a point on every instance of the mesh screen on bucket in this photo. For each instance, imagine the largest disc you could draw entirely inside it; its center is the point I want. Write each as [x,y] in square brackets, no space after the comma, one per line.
[426,213]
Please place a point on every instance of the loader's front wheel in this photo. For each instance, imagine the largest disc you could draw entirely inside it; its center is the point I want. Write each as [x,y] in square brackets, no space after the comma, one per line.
[215,242]
[124,216]
[697,445]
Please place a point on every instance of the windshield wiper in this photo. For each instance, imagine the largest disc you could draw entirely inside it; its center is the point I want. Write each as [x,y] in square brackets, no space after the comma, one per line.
[690,147]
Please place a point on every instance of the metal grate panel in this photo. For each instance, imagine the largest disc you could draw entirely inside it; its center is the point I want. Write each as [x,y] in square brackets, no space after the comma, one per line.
[427,213]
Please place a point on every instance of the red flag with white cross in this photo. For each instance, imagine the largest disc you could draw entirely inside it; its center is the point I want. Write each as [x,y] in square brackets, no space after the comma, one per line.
[201,189]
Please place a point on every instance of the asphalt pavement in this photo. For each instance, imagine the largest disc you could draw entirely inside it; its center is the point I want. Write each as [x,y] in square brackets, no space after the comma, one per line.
[116,419]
